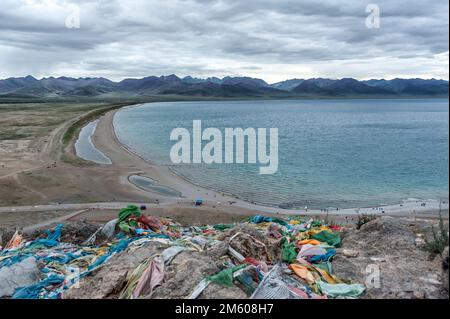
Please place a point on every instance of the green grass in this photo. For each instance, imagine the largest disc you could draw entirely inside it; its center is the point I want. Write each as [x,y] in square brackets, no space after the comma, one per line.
[13,136]
[73,130]
[76,161]
[34,120]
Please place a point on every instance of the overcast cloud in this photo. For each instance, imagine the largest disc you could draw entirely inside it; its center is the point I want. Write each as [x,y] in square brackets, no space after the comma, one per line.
[269,39]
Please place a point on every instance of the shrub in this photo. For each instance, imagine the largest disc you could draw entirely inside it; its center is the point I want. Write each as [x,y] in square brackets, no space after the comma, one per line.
[364,219]
[439,240]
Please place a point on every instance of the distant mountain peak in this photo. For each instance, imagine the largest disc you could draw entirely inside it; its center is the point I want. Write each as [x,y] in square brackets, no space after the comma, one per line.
[228,86]
[170,77]
[65,78]
[30,77]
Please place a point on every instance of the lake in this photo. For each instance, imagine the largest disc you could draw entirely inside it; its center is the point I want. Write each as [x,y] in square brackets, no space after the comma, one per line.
[332,153]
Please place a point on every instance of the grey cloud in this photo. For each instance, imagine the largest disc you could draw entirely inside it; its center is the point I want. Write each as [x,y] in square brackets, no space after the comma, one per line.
[120,38]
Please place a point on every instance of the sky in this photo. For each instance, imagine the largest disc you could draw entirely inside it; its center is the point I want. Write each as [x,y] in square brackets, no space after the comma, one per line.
[269,39]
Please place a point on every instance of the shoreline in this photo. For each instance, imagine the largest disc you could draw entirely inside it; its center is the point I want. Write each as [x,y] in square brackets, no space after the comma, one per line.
[90,145]
[168,177]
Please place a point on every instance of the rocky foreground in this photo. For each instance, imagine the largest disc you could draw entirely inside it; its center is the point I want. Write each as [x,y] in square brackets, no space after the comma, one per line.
[262,257]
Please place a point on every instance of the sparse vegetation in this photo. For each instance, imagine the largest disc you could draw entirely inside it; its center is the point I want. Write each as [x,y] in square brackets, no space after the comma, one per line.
[364,219]
[12,136]
[77,125]
[439,240]
[33,121]
[73,160]
[330,221]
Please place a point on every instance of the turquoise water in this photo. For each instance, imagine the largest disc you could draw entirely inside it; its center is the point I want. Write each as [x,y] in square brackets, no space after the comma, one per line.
[332,153]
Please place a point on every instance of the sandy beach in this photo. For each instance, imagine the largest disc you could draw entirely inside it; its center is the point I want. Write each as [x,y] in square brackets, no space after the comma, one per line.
[51,177]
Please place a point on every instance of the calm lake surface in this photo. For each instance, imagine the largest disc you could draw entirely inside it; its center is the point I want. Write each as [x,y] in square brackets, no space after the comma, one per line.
[85,149]
[332,153]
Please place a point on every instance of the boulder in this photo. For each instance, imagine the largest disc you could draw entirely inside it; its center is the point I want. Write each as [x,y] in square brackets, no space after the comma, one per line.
[185,271]
[388,256]
[350,253]
[21,274]
[108,280]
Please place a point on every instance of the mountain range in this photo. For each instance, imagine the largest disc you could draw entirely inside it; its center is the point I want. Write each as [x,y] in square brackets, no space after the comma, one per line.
[66,87]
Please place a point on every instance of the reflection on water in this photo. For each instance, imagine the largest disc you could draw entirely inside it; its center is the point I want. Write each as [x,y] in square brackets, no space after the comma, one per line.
[150,185]
[85,148]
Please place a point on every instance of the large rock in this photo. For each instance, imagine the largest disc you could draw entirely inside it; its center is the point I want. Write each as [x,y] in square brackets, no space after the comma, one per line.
[21,274]
[349,253]
[181,276]
[387,246]
[109,280]
[186,270]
